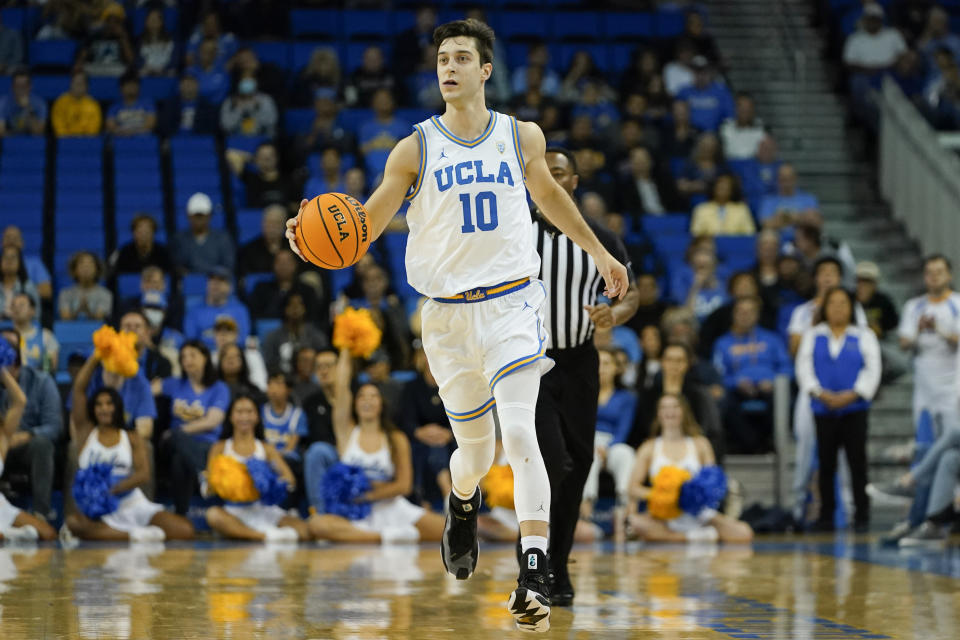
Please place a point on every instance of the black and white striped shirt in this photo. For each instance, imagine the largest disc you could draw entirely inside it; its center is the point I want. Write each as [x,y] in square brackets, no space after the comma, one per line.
[572,281]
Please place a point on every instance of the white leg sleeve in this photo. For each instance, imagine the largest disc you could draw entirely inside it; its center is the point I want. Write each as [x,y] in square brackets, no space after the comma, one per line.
[516,397]
[476,445]
[620,459]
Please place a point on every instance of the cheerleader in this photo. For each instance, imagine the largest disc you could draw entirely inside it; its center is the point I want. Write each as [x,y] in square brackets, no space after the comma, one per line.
[241,439]
[103,437]
[676,441]
[367,439]
[16,525]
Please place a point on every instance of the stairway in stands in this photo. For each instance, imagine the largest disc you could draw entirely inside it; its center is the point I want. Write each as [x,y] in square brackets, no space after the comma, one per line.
[795,98]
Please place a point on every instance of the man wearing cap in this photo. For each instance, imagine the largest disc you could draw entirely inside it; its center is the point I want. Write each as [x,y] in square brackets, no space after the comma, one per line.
[882,315]
[218,303]
[710,101]
[199,248]
[867,54]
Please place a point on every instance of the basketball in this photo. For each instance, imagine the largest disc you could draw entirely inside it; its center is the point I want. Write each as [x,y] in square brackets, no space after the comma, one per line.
[332,231]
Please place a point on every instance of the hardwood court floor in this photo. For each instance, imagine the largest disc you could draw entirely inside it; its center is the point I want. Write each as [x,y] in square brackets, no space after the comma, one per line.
[779,588]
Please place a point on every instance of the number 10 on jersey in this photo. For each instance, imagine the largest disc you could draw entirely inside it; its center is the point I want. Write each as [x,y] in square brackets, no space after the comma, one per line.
[485,206]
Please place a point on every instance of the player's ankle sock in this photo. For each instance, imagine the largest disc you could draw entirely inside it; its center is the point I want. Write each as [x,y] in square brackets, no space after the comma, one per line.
[464,498]
[533,542]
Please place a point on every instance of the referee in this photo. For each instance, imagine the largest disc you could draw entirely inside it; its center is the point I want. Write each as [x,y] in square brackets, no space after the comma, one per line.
[567,405]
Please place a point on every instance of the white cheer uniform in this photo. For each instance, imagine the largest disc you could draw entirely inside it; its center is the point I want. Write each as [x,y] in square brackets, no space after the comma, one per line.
[690,462]
[256,515]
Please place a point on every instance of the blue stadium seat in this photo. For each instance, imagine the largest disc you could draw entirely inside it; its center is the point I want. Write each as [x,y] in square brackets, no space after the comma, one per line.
[135,146]
[190,144]
[194,284]
[366,24]
[14,18]
[245,143]
[352,56]
[157,88]
[351,119]
[314,22]
[736,249]
[50,87]
[80,146]
[298,120]
[25,145]
[104,89]
[669,224]
[620,56]
[266,326]
[580,25]
[251,280]
[628,26]
[277,53]
[74,335]
[128,284]
[134,181]
[672,247]
[52,53]
[21,181]
[677,165]
[669,23]
[523,25]
[87,185]
[340,279]
[248,224]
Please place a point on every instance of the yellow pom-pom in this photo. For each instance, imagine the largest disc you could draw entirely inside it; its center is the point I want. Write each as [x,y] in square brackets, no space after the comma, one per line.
[116,351]
[497,486]
[355,330]
[663,501]
[230,480]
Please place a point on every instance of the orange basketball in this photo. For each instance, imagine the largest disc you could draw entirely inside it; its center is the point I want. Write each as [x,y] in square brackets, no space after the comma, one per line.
[332,231]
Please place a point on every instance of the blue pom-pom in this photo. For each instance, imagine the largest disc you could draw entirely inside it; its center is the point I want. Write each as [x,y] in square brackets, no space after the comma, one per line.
[8,355]
[269,484]
[704,491]
[342,484]
[91,490]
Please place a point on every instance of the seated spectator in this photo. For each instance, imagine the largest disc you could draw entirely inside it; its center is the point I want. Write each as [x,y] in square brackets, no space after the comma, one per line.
[331,178]
[703,43]
[249,112]
[615,413]
[210,29]
[937,35]
[187,111]
[388,312]
[271,80]
[304,382]
[31,447]
[156,49]
[384,131]
[242,439]
[213,82]
[642,190]
[765,179]
[593,102]
[16,525]
[742,134]
[284,424]
[767,270]
[644,64]
[651,307]
[267,298]
[426,424]
[742,284]
[225,333]
[401,520]
[325,131]
[944,102]
[749,358]
[108,50]
[219,301]
[142,251]
[707,292]
[198,406]
[200,248]
[322,73]
[782,210]
[422,83]
[86,299]
[36,271]
[676,436]
[583,71]
[166,309]
[22,112]
[678,73]
[11,49]
[838,366]
[264,183]
[132,116]
[410,42]
[39,347]
[882,315]
[233,371]
[868,54]
[75,113]
[372,74]
[811,245]
[257,256]
[538,56]
[13,280]
[652,344]
[296,331]
[153,364]
[703,167]
[102,436]
[725,214]
[710,100]
[317,407]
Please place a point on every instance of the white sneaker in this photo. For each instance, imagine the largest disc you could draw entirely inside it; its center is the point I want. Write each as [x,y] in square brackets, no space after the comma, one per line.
[26,533]
[281,534]
[703,534]
[400,535]
[149,533]
[67,539]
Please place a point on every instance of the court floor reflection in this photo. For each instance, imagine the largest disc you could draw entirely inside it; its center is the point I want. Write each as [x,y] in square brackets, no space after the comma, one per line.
[783,589]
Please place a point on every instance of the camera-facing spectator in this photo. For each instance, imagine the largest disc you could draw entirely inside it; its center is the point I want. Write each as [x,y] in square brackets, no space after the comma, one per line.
[199,248]
[22,112]
[143,251]
[372,74]
[267,298]
[280,345]
[326,131]
[538,57]
[702,168]
[156,49]
[284,424]
[409,43]
[322,73]
[86,299]
[710,100]
[725,214]
[789,204]
[225,333]
[258,255]
[108,50]
[210,30]
[212,78]
[264,182]
[187,111]
[742,134]
[678,73]
[219,301]
[383,131]
[248,111]
[14,279]
[75,113]
[39,347]
[132,116]
[233,371]
[882,315]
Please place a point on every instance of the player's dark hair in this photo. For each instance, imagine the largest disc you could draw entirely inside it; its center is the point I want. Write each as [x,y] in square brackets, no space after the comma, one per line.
[471,28]
[933,257]
[566,153]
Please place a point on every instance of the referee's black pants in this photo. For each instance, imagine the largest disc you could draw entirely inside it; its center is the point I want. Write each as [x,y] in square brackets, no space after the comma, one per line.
[566,424]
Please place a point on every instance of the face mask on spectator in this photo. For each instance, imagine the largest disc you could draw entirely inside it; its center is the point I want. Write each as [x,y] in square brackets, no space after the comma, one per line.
[247,86]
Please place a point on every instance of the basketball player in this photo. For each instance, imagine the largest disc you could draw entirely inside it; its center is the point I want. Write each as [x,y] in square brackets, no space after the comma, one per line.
[466,175]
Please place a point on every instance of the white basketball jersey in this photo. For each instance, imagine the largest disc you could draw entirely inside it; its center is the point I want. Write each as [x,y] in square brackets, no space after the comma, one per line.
[470,224]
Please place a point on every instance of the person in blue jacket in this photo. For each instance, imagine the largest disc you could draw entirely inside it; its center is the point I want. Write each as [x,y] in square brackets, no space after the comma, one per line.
[615,412]
[838,365]
[749,357]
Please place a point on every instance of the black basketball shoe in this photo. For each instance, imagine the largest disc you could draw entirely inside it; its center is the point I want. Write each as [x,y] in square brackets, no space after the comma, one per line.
[561,589]
[529,604]
[459,547]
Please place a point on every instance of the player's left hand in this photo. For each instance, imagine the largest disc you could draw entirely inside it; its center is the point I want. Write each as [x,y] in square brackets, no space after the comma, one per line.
[614,277]
[601,314]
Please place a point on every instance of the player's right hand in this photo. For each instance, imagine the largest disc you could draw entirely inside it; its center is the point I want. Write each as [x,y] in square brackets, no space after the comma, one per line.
[292,230]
